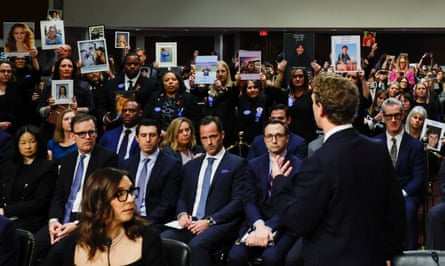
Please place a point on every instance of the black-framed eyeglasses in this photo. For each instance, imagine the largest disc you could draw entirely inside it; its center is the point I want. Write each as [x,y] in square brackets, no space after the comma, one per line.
[83,134]
[276,136]
[397,116]
[122,195]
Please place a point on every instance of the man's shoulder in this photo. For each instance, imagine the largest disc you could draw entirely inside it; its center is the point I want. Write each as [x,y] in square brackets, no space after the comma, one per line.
[167,159]
[102,151]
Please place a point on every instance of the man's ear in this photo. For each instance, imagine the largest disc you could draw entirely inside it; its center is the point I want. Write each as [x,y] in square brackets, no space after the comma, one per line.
[320,110]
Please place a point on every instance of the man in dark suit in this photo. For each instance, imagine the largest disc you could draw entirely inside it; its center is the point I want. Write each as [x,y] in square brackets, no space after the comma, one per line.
[74,169]
[122,139]
[409,163]
[296,146]
[159,180]
[345,203]
[209,207]
[9,242]
[6,146]
[260,217]
[130,85]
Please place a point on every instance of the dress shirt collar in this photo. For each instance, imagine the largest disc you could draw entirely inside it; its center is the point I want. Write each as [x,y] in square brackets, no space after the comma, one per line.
[218,156]
[153,157]
[335,130]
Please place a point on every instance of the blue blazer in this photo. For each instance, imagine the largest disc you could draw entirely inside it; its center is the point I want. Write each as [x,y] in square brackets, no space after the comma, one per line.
[110,140]
[296,146]
[410,166]
[257,205]
[224,203]
[9,242]
[163,186]
[345,203]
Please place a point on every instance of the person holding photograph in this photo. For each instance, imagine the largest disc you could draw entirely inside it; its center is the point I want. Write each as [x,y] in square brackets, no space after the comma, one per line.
[21,39]
[52,36]
[402,70]
[423,98]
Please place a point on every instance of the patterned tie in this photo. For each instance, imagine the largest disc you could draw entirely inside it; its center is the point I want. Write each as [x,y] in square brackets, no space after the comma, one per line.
[74,190]
[394,151]
[205,189]
[141,184]
[123,148]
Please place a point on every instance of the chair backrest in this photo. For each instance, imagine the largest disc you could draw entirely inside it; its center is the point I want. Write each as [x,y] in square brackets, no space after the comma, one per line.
[27,247]
[420,257]
[177,253]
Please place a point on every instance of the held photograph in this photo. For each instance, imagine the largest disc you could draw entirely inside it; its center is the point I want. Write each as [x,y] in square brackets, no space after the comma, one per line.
[62,91]
[121,39]
[19,38]
[93,55]
[166,54]
[96,32]
[52,34]
[250,64]
[432,133]
[54,14]
[345,52]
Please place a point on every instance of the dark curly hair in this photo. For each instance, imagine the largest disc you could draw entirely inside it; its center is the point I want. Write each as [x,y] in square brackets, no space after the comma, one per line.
[100,188]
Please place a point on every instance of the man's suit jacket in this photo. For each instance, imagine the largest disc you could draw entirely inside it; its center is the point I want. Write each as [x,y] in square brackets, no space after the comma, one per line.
[163,186]
[101,157]
[345,203]
[296,146]
[257,205]
[110,140]
[9,242]
[224,203]
[143,89]
[410,166]
[6,146]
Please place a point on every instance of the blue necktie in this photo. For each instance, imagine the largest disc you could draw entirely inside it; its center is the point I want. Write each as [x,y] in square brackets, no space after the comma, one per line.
[141,184]
[205,189]
[75,186]
[123,148]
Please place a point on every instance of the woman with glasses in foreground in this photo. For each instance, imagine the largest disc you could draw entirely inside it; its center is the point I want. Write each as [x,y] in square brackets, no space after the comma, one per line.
[110,232]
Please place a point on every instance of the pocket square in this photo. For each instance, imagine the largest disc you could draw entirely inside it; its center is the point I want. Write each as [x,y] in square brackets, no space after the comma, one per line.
[224,171]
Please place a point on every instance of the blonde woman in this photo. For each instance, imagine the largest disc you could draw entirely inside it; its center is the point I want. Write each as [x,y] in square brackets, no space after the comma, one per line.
[180,140]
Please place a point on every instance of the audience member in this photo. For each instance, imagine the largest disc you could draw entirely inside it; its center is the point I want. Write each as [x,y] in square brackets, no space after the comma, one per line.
[180,140]
[157,175]
[122,139]
[261,219]
[6,146]
[62,143]
[414,121]
[171,102]
[296,145]
[347,212]
[74,169]
[409,163]
[110,231]
[27,181]
[401,70]
[209,207]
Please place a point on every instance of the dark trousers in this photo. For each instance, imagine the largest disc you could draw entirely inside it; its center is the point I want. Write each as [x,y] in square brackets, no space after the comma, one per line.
[435,227]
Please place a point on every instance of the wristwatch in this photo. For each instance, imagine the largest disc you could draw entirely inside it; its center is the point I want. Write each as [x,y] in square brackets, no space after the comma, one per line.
[211,221]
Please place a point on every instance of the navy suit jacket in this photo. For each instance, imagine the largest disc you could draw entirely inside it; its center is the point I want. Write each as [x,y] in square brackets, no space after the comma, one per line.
[257,205]
[345,203]
[6,145]
[163,186]
[410,166]
[296,146]
[110,140]
[101,157]
[224,203]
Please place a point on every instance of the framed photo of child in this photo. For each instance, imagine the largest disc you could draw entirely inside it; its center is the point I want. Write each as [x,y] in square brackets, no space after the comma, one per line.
[166,54]
[15,46]
[345,52]
[62,91]
[432,133]
[121,39]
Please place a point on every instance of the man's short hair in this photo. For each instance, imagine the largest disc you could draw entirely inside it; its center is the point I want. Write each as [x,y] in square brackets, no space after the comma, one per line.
[280,106]
[275,122]
[209,119]
[82,117]
[338,96]
[148,122]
